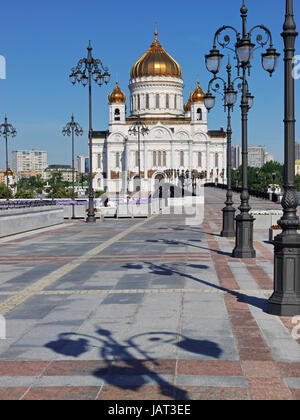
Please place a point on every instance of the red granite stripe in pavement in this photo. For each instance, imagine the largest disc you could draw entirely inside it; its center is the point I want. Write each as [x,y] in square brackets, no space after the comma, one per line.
[11,394]
[146,393]
[209,368]
[62,393]
[199,393]
[77,368]
[264,251]
[259,275]
[20,368]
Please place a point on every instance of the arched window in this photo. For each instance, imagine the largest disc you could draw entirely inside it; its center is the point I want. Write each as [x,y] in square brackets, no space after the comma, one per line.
[199,114]
[175,102]
[99,161]
[159,159]
[216,160]
[181,158]
[167,101]
[157,101]
[164,159]
[154,159]
[139,102]
[117,160]
[117,114]
[199,160]
[147,101]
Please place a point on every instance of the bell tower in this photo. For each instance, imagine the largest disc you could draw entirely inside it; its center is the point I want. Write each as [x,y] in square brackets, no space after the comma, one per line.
[117,106]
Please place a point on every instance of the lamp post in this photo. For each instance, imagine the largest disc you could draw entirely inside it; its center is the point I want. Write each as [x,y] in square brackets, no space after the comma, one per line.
[87,69]
[137,129]
[229,96]
[244,50]
[73,128]
[7,130]
[285,300]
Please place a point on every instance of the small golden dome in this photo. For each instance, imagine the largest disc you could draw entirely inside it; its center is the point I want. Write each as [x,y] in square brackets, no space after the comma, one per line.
[187,106]
[156,62]
[197,95]
[117,96]
[10,172]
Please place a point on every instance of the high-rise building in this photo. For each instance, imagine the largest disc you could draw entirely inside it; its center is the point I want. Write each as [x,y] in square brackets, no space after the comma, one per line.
[24,161]
[269,157]
[65,170]
[297,151]
[256,156]
[237,157]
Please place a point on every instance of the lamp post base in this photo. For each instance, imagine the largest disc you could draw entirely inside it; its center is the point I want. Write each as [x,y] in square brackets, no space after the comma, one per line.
[91,219]
[228,222]
[285,300]
[244,237]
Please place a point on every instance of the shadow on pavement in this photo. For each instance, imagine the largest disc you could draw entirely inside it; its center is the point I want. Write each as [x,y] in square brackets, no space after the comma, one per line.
[129,366]
[164,270]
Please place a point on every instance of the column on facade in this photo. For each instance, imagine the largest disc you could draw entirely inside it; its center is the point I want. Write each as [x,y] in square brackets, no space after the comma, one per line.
[225,161]
[190,154]
[145,160]
[172,160]
[208,159]
[125,167]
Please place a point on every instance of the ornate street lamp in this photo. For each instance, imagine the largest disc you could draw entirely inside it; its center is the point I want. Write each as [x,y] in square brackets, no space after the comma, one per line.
[137,129]
[87,69]
[244,50]
[229,96]
[73,128]
[285,300]
[7,130]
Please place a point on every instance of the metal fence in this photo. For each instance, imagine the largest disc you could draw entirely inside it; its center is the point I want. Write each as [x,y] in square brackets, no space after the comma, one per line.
[253,193]
[20,204]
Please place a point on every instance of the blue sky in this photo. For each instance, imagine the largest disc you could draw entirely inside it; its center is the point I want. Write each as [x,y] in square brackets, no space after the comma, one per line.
[42,40]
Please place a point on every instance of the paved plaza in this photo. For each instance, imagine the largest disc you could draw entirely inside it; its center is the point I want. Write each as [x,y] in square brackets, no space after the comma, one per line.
[142,309]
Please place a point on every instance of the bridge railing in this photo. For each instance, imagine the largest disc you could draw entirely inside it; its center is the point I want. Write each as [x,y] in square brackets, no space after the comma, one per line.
[20,204]
[253,193]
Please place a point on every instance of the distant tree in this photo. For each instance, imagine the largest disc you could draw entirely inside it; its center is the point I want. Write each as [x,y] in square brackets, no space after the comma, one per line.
[3,191]
[99,193]
[298,182]
[25,194]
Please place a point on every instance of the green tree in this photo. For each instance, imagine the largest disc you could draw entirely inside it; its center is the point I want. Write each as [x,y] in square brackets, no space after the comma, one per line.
[99,193]
[25,194]
[3,191]
[298,182]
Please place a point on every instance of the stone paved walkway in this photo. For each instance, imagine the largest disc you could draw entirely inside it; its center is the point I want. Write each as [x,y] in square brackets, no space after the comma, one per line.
[142,309]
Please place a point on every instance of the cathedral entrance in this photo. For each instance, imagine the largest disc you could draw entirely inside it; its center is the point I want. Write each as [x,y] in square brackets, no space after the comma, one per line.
[136,184]
[159,180]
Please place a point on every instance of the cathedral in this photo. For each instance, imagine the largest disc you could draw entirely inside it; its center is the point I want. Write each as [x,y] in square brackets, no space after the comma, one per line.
[162,137]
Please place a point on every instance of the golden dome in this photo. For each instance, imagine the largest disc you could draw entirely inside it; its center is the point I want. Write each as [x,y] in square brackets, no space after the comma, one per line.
[197,95]
[187,106]
[117,96]
[156,62]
